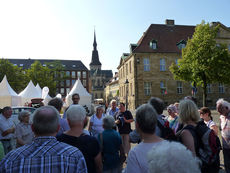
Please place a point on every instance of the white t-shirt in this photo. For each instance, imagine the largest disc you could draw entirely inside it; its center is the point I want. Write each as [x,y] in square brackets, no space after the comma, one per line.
[210,123]
[97,124]
[137,157]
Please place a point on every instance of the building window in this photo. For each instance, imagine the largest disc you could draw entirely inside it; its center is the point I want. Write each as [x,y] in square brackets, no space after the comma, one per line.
[73,65]
[176,61]
[62,90]
[62,83]
[163,88]
[179,87]
[131,89]
[146,64]
[68,82]
[84,74]
[84,82]
[67,90]
[101,95]
[209,88]
[63,65]
[67,73]
[162,65]
[126,66]
[98,82]
[79,75]
[73,81]
[147,88]
[73,74]
[221,88]
[181,44]
[153,44]
[130,67]
[21,65]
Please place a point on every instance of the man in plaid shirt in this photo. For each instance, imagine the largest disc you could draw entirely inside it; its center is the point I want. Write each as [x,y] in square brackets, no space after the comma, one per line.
[45,154]
[223,107]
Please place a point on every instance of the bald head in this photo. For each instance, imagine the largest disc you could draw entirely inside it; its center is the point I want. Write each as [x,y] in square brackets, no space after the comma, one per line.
[45,121]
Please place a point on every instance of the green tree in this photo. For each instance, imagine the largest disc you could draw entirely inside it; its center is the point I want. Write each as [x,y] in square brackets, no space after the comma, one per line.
[43,76]
[203,60]
[15,75]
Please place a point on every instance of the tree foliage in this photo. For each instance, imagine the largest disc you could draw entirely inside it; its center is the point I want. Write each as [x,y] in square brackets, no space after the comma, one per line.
[42,75]
[15,75]
[203,60]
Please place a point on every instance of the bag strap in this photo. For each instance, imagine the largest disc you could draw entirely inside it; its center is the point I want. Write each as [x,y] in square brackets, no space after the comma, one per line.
[101,141]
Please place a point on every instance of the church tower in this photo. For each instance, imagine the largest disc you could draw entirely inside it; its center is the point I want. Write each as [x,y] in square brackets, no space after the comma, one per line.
[95,63]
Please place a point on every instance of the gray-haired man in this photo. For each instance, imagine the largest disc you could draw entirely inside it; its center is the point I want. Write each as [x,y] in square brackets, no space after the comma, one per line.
[45,154]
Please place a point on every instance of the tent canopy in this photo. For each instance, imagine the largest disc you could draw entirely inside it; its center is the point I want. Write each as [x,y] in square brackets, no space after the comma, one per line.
[85,97]
[30,92]
[8,97]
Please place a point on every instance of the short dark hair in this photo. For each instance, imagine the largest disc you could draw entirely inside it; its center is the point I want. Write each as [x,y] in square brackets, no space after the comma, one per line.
[56,102]
[157,104]
[45,120]
[146,117]
[6,109]
[75,94]
[206,110]
[121,103]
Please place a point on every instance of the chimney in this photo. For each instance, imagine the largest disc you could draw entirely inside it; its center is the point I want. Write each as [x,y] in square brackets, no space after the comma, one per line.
[169,22]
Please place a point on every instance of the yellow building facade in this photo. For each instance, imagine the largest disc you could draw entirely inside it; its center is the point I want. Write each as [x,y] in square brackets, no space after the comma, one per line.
[144,72]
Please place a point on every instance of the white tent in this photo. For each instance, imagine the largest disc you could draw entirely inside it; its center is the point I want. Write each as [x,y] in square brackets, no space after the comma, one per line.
[39,88]
[47,99]
[85,97]
[8,97]
[30,92]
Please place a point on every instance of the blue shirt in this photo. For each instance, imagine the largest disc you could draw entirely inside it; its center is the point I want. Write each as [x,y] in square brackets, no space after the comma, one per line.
[110,111]
[111,148]
[45,154]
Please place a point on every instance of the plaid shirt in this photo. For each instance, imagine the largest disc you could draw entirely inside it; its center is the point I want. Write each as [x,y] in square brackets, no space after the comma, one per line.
[225,130]
[44,155]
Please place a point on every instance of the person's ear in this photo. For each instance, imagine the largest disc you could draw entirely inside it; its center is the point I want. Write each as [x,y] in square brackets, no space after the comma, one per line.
[58,128]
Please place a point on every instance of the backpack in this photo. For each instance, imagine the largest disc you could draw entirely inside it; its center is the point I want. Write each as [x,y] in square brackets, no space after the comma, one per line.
[166,132]
[208,143]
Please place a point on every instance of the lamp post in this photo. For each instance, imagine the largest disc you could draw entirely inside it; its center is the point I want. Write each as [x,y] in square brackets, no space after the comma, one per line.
[126,98]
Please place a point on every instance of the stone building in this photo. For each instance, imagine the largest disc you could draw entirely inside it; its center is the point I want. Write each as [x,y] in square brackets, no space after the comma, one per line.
[98,77]
[112,89]
[144,72]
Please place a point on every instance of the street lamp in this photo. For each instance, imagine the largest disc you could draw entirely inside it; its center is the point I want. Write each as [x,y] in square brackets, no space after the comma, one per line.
[126,99]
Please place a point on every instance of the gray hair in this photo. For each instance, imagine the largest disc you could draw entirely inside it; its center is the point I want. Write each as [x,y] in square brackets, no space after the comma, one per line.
[223,103]
[172,108]
[188,111]
[45,120]
[23,114]
[146,117]
[113,101]
[179,159]
[100,107]
[108,122]
[76,113]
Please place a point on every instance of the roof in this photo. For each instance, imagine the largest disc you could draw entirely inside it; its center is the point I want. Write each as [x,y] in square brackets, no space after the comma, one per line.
[67,64]
[98,72]
[166,36]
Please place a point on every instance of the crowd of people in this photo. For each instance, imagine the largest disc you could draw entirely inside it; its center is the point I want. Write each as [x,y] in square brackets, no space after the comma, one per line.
[184,141]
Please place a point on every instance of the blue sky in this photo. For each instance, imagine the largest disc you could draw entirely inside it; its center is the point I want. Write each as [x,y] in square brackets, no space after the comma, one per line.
[63,29]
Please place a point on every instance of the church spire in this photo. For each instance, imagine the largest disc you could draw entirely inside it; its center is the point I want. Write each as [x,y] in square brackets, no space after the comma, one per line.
[95,63]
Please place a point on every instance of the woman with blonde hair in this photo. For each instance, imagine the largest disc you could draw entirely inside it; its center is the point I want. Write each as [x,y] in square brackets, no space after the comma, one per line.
[189,117]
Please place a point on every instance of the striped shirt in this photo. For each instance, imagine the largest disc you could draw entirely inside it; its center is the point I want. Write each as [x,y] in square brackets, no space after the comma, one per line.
[45,154]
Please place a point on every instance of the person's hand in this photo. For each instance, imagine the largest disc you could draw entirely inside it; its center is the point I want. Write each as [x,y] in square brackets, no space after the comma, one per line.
[117,121]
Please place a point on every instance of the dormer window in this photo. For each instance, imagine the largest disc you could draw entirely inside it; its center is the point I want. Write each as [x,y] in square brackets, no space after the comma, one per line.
[181,44]
[153,44]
